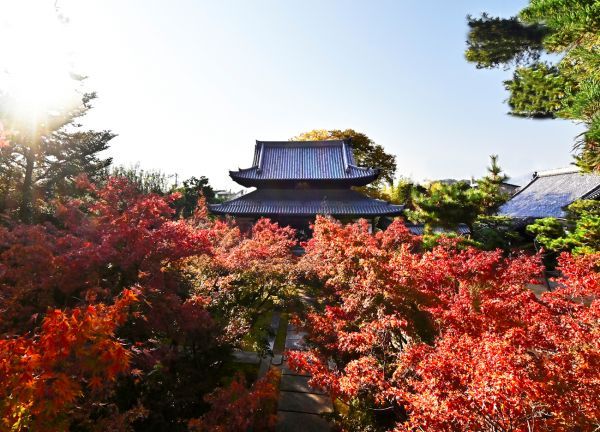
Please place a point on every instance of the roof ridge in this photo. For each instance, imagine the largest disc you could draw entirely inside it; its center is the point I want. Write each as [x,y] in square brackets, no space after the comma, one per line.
[335,142]
[558,171]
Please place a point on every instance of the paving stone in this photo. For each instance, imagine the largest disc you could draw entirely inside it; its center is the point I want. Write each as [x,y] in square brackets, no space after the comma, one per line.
[265,365]
[245,357]
[275,321]
[297,383]
[295,344]
[301,422]
[304,402]
[295,335]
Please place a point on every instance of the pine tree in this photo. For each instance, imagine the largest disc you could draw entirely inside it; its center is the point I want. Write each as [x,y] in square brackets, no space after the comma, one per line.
[490,186]
[568,88]
[40,162]
[446,205]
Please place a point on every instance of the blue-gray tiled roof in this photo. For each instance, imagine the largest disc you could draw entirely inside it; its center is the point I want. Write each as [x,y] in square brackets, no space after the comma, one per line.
[306,202]
[304,160]
[550,192]
[419,229]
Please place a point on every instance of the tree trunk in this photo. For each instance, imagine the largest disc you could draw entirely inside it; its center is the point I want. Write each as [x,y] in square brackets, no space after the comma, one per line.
[6,190]
[26,207]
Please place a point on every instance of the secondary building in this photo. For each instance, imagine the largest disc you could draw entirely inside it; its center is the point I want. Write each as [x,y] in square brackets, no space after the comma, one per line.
[549,193]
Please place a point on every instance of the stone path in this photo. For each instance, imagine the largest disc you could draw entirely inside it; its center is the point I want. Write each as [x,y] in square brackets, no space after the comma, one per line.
[300,405]
[250,357]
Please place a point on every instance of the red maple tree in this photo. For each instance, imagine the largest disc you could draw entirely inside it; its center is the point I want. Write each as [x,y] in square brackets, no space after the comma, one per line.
[74,355]
[71,356]
[449,339]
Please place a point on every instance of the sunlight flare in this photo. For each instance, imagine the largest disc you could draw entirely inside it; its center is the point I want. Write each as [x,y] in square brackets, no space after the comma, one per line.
[36,67]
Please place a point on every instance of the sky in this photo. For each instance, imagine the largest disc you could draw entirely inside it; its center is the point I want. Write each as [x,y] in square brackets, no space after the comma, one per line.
[189,85]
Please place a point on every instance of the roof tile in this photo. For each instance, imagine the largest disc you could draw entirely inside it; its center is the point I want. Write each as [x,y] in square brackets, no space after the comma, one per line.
[304,160]
[549,193]
[306,202]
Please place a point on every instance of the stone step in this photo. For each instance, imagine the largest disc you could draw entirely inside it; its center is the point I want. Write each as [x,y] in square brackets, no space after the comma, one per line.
[304,402]
[288,421]
[296,335]
[297,383]
[295,344]
[245,357]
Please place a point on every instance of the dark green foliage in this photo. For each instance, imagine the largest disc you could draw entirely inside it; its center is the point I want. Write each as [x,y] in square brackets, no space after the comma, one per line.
[446,205]
[191,191]
[490,187]
[496,232]
[568,88]
[370,154]
[497,41]
[538,91]
[146,181]
[71,154]
[580,233]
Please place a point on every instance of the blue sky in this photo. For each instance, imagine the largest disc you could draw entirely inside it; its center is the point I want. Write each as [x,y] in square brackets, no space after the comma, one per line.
[189,85]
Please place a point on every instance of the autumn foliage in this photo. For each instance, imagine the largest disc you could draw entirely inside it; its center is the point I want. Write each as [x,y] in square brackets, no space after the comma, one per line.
[115,315]
[450,339]
[237,408]
[74,353]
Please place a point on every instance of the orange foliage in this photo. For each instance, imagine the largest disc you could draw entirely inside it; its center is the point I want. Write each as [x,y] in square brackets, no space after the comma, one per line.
[74,355]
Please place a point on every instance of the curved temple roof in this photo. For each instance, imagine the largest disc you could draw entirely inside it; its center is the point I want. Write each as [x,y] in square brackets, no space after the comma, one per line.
[293,161]
[306,202]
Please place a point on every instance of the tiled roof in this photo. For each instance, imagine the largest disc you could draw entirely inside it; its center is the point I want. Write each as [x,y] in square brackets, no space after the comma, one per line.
[550,192]
[306,202]
[419,229]
[304,161]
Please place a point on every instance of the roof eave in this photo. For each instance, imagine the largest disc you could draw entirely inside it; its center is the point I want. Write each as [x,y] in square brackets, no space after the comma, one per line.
[255,182]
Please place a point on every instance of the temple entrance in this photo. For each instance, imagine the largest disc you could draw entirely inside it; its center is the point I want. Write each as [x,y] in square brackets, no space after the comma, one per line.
[300,224]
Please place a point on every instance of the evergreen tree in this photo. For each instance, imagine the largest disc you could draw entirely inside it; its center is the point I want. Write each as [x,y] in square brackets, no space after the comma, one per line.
[146,181]
[580,233]
[401,192]
[446,205]
[568,88]
[40,161]
[490,187]
[191,191]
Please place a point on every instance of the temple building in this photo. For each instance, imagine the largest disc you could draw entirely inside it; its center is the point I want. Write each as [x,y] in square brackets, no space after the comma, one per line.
[549,193]
[297,180]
